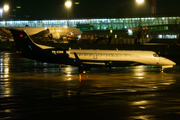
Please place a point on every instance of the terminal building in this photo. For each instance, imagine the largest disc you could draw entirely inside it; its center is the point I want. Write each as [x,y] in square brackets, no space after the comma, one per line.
[152,27]
[98,24]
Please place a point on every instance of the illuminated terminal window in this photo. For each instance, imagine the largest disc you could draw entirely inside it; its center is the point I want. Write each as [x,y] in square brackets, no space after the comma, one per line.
[160,36]
[158,28]
[98,24]
[115,36]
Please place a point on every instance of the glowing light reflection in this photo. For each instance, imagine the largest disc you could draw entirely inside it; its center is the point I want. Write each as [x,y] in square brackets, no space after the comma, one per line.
[69,79]
[143,102]
[68,71]
[69,93]
[139,71]
[4,69]
[7,110]
[69,74]
[143,117]
[142,107]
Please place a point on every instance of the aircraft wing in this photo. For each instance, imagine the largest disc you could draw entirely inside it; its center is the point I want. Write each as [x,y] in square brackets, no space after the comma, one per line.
[5,32]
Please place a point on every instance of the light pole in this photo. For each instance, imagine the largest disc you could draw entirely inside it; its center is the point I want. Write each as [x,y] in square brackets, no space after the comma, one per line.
[139,3]
[68,5]
[5,11]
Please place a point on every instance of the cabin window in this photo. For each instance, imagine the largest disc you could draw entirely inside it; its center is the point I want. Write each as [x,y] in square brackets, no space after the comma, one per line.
[155,55]
[81,54]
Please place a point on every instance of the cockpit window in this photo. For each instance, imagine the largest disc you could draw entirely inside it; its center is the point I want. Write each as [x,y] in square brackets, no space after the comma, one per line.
[155,55]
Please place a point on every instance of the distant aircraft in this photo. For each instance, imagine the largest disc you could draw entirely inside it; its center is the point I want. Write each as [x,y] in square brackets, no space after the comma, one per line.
[86,59]
[51,32]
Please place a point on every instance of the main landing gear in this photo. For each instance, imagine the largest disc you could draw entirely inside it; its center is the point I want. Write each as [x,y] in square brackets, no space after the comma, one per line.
[82,67]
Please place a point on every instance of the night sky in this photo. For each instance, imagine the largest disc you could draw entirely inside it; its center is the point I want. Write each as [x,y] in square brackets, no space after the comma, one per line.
[55,9]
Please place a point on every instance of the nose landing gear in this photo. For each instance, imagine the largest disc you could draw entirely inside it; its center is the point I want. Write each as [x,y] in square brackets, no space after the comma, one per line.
[163,67]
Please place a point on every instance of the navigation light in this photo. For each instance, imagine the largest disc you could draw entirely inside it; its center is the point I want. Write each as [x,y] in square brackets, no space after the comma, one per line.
[21,35]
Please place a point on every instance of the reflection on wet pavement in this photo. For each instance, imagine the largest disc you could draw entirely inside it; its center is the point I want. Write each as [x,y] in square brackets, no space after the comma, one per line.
[34,90]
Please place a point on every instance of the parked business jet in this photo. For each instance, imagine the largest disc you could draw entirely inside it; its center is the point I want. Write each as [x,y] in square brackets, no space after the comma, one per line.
[86,59]
[52,32]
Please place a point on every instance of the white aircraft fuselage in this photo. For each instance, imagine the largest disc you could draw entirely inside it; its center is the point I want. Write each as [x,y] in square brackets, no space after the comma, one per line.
[55,32]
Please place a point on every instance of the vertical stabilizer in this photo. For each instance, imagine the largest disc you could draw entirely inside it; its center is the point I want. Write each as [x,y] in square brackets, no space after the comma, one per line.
[23,41]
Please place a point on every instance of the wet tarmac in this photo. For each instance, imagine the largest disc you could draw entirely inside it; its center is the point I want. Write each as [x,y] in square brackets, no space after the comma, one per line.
[31,90]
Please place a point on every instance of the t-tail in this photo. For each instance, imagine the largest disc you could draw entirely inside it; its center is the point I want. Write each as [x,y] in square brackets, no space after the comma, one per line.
[24,43]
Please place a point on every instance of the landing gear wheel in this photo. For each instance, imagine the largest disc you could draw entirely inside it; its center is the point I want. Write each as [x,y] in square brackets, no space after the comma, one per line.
[162,70]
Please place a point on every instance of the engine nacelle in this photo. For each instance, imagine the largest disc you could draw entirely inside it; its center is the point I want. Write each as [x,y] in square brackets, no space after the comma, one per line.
[54,36]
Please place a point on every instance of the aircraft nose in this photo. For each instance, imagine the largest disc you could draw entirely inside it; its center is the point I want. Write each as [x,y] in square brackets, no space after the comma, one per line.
[165,61]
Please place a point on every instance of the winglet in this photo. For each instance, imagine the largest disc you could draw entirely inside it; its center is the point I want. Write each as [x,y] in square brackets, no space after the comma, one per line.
[82,67]
[77,58]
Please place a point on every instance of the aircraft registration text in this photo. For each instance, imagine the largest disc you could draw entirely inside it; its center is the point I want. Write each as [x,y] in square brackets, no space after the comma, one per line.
[57,51]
